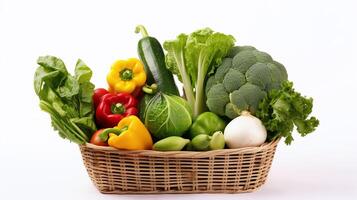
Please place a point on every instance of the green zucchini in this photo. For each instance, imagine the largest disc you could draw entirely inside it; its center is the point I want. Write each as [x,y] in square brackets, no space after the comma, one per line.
[151,54]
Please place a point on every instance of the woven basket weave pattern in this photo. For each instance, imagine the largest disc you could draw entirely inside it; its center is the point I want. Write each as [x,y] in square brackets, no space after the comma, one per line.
[221,171]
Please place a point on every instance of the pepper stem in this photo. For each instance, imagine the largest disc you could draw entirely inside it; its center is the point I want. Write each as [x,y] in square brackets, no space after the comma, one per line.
[142,30]
[150,89]
[105,134]
[126,74]
[117,108]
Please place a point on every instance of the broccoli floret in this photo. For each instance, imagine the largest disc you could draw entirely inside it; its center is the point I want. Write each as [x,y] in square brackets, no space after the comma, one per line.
[242,80]
[217,98]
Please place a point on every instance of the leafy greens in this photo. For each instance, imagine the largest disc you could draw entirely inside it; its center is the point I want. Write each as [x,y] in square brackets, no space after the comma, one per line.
[282,110]
[192,57]
[67,98]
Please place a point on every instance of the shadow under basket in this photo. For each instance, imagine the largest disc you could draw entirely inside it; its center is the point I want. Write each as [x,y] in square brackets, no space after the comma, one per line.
[220,171]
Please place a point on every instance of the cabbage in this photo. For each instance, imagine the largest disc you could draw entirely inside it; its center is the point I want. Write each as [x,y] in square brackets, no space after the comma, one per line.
[166,115]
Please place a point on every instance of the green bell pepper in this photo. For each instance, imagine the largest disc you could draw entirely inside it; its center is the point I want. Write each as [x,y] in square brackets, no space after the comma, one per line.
[206,123]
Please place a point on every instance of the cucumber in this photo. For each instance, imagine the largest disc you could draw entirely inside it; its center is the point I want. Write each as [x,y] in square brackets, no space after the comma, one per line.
[151,54]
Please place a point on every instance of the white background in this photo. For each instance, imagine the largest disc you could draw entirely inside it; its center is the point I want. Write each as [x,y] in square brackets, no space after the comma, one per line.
[315,40]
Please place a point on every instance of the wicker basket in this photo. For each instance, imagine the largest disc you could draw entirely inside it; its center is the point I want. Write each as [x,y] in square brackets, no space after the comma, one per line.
[220,171]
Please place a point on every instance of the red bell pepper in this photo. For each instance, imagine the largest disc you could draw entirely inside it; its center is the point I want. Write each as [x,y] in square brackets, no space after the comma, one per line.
[114,107]
[97,95]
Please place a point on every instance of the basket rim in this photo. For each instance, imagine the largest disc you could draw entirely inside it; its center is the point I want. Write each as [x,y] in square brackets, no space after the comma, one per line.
[193,154]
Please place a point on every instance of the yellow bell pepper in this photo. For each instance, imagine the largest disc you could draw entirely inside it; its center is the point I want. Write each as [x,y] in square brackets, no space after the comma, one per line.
[126,75]
[129,134]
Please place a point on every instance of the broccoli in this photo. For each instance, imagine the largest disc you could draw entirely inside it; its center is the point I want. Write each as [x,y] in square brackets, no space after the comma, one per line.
[243,79]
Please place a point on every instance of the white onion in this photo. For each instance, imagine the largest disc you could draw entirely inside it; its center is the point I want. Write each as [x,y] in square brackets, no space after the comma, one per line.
[245,131]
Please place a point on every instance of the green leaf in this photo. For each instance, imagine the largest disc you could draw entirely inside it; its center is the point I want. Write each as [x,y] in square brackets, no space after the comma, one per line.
[193,57]
[85,109]
[83,73]
[42,75]
[204,50]
[51,71]
[85,96]
[67,98]
[69,88]
[174,57]
[282,110]
[52,63]
[86,92]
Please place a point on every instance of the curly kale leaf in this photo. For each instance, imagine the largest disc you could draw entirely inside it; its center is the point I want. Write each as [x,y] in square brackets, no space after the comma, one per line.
[282,110]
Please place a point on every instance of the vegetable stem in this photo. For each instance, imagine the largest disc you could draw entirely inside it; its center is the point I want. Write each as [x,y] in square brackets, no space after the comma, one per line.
[202,71]
[81,134]
[150,89]
[105,134]
[117,108]
[185,79]
[199,97]
[126,74]
[142,30]
[62,124]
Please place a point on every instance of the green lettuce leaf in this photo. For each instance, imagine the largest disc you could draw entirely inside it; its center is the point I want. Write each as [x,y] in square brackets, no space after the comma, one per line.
[192,57]
[67,98]
[82,72]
